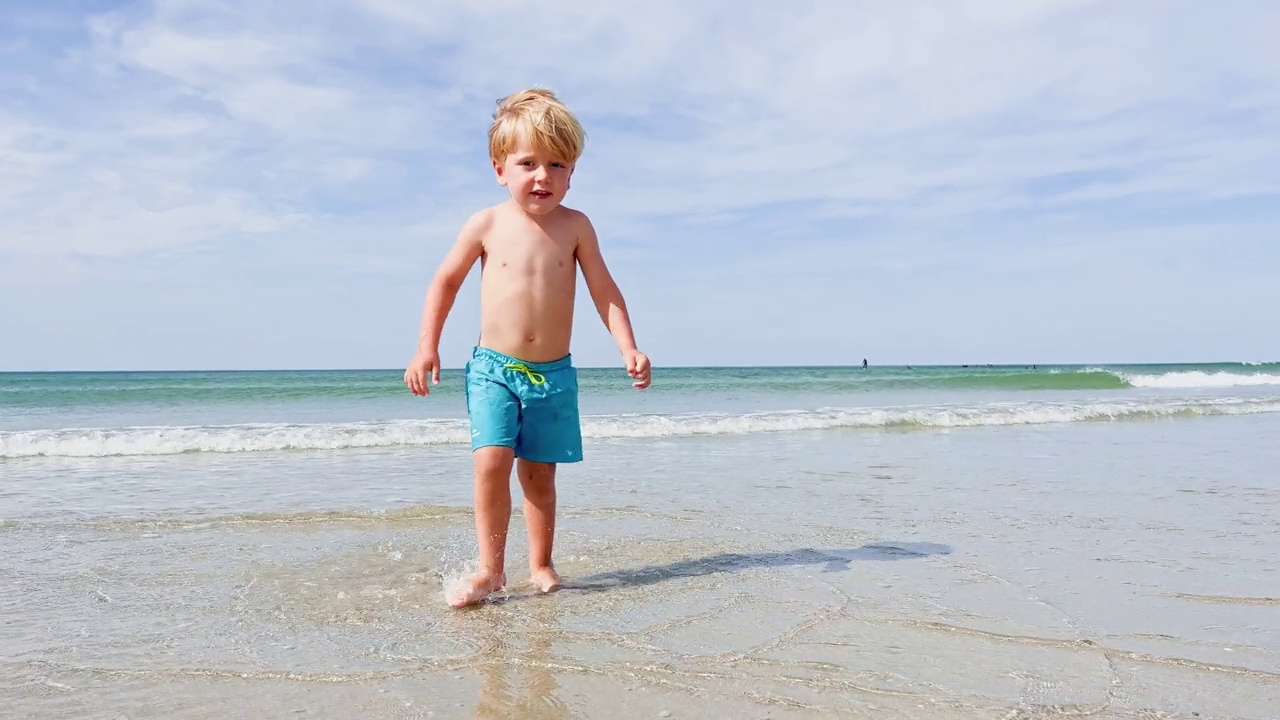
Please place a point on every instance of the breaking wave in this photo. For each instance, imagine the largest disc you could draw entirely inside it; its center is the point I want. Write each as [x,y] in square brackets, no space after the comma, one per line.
[173,440]
[1199,379]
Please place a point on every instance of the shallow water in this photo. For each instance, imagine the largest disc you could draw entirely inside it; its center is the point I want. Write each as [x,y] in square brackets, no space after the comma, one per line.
[1104,569]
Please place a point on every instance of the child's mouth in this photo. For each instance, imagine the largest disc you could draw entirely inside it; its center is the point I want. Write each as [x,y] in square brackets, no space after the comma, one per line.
[541,194]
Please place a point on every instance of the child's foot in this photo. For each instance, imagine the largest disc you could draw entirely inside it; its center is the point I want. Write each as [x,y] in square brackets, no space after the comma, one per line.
[545,579]
[475,588]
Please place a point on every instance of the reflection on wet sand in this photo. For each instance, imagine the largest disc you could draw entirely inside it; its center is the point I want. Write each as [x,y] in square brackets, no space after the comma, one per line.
[518,681]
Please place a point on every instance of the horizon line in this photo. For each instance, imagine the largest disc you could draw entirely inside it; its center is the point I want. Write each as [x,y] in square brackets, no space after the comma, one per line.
[780,366]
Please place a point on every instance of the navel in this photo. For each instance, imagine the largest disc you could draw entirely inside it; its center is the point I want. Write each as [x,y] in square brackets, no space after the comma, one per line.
[530,337]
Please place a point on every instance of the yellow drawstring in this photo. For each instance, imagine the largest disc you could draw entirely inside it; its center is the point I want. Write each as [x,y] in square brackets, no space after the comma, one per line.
[535,378]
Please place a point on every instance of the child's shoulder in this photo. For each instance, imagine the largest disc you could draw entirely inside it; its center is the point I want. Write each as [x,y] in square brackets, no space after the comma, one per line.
[484,216]
[571,214]
[575,221]
[480,223]
[574,226]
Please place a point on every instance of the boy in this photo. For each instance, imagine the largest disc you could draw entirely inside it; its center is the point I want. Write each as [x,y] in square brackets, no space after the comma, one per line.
[522,389]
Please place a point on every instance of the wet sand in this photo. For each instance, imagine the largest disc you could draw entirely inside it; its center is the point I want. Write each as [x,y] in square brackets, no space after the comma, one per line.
[1100,570]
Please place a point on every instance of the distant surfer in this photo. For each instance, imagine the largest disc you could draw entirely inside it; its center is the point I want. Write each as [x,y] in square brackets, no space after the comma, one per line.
[864,363]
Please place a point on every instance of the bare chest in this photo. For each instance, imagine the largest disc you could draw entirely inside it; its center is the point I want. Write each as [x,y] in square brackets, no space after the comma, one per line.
[529,256]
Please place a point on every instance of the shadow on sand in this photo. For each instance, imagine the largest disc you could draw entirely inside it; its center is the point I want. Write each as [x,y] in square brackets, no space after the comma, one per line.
[830,560]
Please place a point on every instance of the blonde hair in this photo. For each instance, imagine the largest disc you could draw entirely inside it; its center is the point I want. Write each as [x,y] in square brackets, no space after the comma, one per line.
[551,127]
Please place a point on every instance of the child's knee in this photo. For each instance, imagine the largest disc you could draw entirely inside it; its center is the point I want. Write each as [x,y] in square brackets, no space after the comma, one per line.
[493,461]
[536,478]
[537,473]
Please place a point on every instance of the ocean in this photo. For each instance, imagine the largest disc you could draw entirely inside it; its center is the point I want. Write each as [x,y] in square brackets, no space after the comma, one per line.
[950,542]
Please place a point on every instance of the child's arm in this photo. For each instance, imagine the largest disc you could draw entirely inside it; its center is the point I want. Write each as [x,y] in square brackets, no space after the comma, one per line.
[610,303]
[443,290]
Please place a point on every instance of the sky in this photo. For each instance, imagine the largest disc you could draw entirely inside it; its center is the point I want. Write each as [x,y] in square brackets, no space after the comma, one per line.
[232,184]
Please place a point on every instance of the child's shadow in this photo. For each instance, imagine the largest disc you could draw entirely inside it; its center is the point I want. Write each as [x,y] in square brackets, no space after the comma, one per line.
[831,561]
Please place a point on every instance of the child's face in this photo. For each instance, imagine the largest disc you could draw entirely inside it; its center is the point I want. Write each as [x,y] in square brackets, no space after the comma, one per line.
[537,183]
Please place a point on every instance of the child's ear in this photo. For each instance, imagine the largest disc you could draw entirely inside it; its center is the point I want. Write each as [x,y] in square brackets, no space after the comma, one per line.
[497,171]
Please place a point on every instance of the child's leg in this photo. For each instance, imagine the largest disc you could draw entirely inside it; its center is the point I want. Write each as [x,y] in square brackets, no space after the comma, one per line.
[538,481]
[493,505]
[493,515]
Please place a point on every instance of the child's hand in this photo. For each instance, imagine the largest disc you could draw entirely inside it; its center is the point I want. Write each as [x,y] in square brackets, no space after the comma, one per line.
[425,364]
[638,368]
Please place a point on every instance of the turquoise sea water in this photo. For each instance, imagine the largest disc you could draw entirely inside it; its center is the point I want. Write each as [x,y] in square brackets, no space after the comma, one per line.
[941,542]
[101,414]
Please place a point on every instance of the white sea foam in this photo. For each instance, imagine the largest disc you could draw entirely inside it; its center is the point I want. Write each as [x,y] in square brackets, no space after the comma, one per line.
[1200,379]
[1191,379]
[172,440]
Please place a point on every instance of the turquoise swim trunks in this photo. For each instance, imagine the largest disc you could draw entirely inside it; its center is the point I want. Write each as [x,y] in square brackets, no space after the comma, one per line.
[531,407]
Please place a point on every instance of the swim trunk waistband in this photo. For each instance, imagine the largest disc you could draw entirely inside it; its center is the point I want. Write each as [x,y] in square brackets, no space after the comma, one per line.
[484,353]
